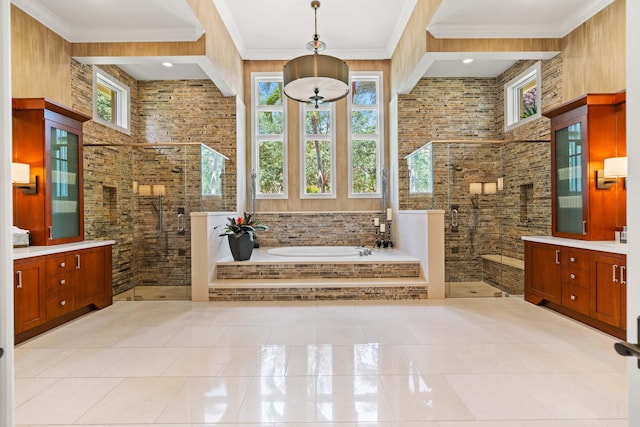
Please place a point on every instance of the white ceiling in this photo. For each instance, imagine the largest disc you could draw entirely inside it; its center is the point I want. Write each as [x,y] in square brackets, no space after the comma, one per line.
[280,29]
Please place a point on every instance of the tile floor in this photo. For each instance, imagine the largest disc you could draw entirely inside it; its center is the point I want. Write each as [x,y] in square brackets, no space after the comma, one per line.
[485,362]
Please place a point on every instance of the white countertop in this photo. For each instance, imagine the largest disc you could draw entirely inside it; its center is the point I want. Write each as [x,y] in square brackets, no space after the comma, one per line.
[594,245]
[34,251]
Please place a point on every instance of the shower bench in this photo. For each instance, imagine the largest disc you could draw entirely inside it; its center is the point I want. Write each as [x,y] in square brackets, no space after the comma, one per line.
[505,273]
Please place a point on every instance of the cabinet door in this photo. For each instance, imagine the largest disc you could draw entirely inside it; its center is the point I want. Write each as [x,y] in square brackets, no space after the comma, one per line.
[91,286]
[569,165]
[29,295]
[64,207]
[542,273]
[605,273]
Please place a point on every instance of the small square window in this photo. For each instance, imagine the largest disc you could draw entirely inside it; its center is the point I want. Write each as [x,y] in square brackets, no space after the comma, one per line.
[522,98]
[110,101]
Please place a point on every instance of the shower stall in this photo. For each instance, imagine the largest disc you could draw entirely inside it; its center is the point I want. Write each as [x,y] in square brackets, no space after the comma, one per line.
[493,193]
[142,195]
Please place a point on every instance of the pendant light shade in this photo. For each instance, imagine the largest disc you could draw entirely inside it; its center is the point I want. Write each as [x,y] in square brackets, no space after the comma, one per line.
[316,78]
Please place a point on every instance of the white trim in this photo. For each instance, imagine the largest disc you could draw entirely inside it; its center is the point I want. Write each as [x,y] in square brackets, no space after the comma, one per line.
[123,109]
[7,398]
[512,119]
[377,76]
[331,107]
[271,76]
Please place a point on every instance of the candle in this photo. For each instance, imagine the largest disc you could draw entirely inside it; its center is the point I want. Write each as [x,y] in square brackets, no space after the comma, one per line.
[389,214]
[376,221]
[382,228]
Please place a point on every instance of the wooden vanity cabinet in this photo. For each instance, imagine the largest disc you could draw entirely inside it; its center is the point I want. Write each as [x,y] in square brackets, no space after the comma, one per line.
[48,137]
[541,284]
[30,294]
[53,289]
[587,285]
[584,132]
[608,289]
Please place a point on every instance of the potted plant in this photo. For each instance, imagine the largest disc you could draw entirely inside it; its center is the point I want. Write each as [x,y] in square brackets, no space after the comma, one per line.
[240,233]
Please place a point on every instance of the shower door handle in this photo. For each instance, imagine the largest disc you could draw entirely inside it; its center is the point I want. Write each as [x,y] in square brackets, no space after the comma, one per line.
[180,223]
[454,217]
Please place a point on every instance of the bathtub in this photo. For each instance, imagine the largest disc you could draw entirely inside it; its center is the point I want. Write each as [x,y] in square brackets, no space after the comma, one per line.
[315,251]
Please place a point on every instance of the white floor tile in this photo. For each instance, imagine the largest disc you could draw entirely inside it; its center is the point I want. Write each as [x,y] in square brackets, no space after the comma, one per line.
[498,362]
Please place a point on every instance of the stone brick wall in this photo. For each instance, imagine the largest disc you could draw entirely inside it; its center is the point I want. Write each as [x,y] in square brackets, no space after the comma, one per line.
[472,109]
[317,229]
[161,111]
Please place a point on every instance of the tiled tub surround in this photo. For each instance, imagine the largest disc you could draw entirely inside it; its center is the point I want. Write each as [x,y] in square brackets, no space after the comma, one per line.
[386,274]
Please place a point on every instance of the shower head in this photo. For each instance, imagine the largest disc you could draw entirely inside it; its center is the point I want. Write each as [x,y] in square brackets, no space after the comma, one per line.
[176,169]
[456,167]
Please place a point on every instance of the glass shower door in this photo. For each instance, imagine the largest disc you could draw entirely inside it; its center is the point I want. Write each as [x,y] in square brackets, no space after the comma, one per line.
[161,243]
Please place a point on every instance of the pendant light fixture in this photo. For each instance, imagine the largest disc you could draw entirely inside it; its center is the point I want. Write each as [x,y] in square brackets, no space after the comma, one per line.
[316,78]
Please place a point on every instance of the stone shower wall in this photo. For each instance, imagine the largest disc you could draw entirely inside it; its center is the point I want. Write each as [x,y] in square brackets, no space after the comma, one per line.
[472,109]
[108,196]
[161,111]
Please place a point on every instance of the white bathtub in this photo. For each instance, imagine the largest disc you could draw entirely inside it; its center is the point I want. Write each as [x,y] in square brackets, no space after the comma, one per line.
[315,251]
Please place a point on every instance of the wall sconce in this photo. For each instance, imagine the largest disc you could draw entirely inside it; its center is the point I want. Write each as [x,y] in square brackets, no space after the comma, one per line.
[144,190]
[489,188]
[21,178]
[158,190]
[614,168]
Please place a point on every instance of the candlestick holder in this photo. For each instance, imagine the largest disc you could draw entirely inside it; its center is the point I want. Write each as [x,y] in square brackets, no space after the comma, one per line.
[388,243]
[377,242]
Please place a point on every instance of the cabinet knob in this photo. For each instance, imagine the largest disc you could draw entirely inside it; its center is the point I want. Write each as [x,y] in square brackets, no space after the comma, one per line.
[573,276]
[573,297]
[63,264]
[573,259]
[63,302]
[62,282]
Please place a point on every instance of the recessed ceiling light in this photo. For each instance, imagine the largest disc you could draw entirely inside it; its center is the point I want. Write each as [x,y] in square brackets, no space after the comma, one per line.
[467,60]
[167,64]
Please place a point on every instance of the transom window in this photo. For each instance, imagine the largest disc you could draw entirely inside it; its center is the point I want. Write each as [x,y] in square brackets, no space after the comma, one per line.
[318,150]
[269,126]
[365,134]
[522,98]
[111,100]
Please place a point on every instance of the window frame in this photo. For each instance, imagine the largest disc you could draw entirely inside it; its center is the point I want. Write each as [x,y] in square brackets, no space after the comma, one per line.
[256,138]
[122,108]
[377,77]
[304,137]
[512,99]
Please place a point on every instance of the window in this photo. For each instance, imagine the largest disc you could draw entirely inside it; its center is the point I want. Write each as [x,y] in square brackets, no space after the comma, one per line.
[317,156]
[522,97]
[365,134]
[421,170]
[269,150]
[110,101]
[212,171]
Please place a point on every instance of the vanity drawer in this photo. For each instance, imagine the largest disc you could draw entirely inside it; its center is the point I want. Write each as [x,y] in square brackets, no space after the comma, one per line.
[575,297]
[574,258]
[59,281]
[60,302]
[575,276]
[60,264]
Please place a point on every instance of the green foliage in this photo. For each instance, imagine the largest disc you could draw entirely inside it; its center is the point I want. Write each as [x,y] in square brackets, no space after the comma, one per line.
[420,166]
[211,171]
[241,225]
[318,166]
[365,166]
[105,111]
[271,167]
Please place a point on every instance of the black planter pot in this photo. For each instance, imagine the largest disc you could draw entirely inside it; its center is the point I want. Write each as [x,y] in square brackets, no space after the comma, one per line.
[241,246]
